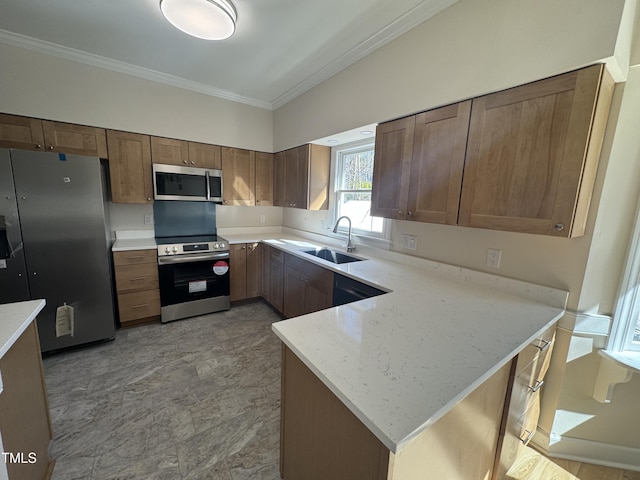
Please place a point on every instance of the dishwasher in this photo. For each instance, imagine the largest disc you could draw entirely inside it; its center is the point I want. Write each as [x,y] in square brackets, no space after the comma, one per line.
[347,290]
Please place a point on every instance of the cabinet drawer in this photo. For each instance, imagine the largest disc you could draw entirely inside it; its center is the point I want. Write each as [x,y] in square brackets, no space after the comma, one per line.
[131,278]
[276,256]
[134,257]
[133,306]
[538,351]
[308,268]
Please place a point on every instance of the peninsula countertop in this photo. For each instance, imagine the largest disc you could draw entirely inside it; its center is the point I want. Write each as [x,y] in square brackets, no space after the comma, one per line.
[14,319]
[402,360]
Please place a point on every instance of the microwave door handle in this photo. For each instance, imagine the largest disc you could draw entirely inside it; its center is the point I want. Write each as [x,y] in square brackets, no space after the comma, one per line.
[208,183]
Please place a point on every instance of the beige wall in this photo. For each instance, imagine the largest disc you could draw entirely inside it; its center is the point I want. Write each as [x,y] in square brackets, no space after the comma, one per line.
[471,48]
[38,85]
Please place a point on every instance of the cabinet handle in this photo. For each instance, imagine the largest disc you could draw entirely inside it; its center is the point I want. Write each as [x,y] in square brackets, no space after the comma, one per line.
[243,247]
[528,437]
[184,161]
[536,387]
[275,265]
[400,212]
[142,305]
[38,146]
[257,202]
[544,345]
[50,147]
[135,257]
[558,227]
[409,213]
[138,279]
[192,162]
[149,199]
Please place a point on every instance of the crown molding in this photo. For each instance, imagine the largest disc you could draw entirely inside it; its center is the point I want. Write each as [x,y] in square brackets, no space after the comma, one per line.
[72,54]
[401,25]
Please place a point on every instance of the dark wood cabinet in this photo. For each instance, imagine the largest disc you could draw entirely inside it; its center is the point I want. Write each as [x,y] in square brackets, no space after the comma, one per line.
[302,177]
[246,270]
[307,287]
[273,276]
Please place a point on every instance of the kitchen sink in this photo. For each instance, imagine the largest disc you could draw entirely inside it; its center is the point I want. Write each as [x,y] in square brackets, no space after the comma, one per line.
[332,255]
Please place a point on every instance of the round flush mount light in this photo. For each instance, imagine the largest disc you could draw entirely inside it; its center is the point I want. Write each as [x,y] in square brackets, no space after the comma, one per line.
[332,141]
[206,19]
[366,133]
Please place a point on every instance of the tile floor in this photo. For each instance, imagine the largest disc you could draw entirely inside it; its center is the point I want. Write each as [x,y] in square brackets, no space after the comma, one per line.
[192,399]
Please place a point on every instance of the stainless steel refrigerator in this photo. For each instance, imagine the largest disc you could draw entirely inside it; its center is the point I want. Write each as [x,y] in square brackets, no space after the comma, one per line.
[54,244]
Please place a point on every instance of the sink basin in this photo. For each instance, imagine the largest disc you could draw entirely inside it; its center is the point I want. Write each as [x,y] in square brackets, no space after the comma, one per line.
[332,255]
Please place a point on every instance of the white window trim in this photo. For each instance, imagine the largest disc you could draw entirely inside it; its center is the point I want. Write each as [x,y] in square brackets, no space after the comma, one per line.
[378,240]
[627,309]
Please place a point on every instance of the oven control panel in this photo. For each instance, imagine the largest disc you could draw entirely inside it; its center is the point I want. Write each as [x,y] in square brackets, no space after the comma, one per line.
[191,248]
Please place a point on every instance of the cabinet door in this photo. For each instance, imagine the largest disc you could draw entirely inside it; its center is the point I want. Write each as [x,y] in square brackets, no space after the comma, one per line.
[203,155]
[254,269]
[130,167]
[295,177]
[237,275]
[439,146]
[169,151]
[317,193]
[294,289]
[264,179]
[276,280]
[532,154]
[21,132]
[74,139]
[318,293]
[238,176]
[392,168]
[280,166]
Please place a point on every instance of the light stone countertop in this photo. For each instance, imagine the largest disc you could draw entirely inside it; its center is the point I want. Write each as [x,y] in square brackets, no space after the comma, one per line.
[14,320]
[402,360]
[134,240]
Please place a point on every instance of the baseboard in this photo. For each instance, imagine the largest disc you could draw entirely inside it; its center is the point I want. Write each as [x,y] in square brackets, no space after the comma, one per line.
[588,451]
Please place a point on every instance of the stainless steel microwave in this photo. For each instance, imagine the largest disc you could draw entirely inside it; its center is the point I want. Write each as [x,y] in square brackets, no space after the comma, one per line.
[173,182]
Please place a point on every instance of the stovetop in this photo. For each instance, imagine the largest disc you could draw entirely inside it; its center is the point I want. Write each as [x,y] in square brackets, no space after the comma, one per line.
[191,245]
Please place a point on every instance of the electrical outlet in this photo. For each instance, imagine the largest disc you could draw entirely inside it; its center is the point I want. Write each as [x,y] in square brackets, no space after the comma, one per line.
[410,242]
[148,219]
[493,258]
[262,219]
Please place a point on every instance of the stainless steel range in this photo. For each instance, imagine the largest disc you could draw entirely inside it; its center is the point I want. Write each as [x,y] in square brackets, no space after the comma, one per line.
[194,275]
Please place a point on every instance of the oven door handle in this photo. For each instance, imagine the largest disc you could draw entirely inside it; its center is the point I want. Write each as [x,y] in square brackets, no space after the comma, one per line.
[192,258]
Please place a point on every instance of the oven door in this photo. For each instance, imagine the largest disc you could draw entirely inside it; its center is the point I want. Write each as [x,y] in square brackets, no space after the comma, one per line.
[193,284]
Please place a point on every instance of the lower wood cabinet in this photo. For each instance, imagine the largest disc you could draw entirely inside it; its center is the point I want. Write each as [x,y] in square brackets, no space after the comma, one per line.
[307,287]
[25,424]
[246,270]
[273,276]
[321,438]
[136,273]
[522,405]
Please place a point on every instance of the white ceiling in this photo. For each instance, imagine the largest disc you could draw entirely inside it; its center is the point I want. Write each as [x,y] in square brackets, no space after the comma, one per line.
[281,48]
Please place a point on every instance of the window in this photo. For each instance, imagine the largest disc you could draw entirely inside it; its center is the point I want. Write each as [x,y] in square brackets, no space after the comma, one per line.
[353,174]
[625,334]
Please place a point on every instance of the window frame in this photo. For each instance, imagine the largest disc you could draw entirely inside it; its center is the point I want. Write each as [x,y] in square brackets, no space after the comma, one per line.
[337,152]
[627,310]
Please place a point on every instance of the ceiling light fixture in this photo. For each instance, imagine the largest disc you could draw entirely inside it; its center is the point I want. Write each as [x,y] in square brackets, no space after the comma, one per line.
[206,19]
[366,132]
[332,141]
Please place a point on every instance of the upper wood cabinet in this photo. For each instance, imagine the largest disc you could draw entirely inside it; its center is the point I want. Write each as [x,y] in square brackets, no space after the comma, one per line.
[302,177]
[170,151]
[418,165]
[130,167]
[204,155]
[74,139]
[533,153]
[35,134]
[238,176]
[21,132]
[264,179]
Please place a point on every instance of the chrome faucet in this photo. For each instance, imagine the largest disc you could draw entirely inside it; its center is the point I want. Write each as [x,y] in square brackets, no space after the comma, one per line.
[350,246]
